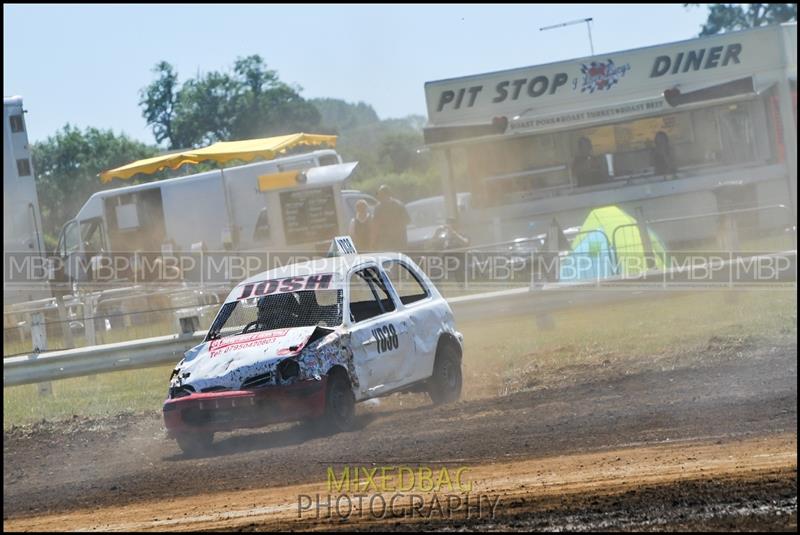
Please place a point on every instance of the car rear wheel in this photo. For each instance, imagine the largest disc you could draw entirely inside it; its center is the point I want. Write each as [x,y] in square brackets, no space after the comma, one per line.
[340,404]
[195,443]
[445,384]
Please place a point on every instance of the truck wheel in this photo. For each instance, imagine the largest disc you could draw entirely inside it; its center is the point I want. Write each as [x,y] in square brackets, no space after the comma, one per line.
[444,386]
[340,404]
[195,443]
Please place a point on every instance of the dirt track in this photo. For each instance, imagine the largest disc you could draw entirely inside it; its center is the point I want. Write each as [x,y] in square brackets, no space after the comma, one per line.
[712,445]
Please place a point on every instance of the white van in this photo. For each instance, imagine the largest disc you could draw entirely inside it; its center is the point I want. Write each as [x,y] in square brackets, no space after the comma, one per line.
[234,209]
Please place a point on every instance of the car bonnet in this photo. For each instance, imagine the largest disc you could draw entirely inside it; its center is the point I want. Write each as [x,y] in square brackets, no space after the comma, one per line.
[228,362]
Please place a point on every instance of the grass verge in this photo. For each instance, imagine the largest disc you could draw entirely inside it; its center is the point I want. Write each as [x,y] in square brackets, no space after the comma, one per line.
[502,355]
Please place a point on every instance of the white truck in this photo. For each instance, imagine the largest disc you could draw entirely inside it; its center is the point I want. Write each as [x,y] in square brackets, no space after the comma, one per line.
[235,209]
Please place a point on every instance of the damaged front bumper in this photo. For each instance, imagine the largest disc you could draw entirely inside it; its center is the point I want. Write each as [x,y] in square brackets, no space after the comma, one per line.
[236,409]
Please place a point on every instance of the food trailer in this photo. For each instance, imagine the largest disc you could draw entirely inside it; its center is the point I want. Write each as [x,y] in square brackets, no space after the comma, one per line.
[669,131]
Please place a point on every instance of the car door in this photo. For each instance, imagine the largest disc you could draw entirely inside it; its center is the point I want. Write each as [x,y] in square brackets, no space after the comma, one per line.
[379,333]
[422,316]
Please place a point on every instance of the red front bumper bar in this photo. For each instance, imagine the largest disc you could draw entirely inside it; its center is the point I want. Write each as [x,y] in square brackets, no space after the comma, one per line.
[236,409]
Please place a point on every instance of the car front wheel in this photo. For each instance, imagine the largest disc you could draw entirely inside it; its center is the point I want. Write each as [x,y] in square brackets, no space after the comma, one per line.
[445,384]
[340,404]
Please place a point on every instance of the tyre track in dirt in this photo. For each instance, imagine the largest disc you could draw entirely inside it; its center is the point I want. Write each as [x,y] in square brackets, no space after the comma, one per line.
[705,482]
[126,460]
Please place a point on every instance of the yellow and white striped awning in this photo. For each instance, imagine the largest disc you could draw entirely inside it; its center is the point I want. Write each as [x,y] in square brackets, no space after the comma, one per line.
[221,152]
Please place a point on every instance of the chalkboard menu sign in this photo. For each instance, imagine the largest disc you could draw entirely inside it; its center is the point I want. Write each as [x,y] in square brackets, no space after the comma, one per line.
[309,215]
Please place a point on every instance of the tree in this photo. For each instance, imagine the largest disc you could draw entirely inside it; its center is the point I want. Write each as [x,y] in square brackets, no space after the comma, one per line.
[339,116]
[730,17]
[67,165]
[250,102]
[383,148]
[399,150]
[387,152]
[204,111]
[158,100]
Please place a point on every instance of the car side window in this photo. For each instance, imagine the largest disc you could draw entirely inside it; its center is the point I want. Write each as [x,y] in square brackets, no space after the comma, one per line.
[406,283]
[368,295]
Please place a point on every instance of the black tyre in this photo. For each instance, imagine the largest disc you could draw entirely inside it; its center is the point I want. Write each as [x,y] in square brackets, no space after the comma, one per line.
[195,443]
[340,404]
[445,384]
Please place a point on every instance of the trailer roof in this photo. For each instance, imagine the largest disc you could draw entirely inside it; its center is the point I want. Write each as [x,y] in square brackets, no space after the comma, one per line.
[221,152]
[476,76]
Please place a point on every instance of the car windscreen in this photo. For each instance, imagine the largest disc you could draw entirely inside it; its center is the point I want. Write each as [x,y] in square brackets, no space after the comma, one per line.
[305,308]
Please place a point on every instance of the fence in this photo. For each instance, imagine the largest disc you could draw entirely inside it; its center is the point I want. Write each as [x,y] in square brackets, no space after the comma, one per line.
[114,315]
[169,349]
[736,232]
[141,311]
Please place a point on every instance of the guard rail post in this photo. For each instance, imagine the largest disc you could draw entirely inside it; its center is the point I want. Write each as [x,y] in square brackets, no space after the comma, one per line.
[728,234]
[66,330]
[88,319]
[729,237]
[544,320]
[647,244]
[39,340]
[553,235]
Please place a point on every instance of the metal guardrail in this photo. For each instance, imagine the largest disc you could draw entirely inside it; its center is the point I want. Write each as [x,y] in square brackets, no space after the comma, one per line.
[97,359]
[76,314]
[169,349]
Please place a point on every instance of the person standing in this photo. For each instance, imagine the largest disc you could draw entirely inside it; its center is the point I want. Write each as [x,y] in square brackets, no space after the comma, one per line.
[389,222]
[661,157]
[588,169]
[361,226]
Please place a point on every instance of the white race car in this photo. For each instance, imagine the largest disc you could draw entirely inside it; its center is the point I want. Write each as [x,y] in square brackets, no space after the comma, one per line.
[308,341]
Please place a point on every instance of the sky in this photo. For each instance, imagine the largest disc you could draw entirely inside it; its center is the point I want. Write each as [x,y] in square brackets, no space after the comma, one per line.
[85,64]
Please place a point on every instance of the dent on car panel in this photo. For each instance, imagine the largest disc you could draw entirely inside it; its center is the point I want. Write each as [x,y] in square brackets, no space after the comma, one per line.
[313,350]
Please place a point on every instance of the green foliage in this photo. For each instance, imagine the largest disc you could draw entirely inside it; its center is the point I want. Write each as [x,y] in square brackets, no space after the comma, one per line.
[67,165]
[202,112]
[249,103]
[399,151]
[731,17]
[158,99]
[386,148]
[264,106]
[339,116]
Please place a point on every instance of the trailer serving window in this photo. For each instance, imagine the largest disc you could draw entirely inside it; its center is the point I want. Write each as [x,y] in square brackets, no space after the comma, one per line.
[514,170]
[309,215]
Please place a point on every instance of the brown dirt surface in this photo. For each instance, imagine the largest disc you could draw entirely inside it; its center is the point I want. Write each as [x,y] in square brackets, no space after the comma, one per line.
[708,446]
